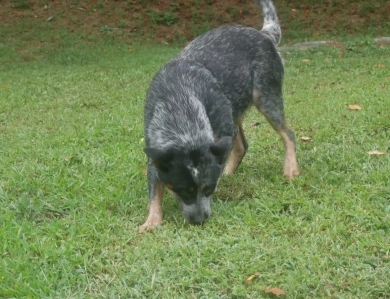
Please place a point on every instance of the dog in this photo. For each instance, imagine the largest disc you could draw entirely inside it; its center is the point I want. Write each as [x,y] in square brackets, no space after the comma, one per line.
[194,111]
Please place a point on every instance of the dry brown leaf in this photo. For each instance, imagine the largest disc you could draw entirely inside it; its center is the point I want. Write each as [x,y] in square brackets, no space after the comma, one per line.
[145,171]
[249,280]
[354,107]
[379,65]
[376,153]
[275,291]
[305,138]
[306,60]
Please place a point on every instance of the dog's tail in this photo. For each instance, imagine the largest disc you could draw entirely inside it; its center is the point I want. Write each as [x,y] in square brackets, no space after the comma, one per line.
[271,21]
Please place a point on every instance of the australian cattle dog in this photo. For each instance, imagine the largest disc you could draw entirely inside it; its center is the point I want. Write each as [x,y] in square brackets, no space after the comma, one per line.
[194,111]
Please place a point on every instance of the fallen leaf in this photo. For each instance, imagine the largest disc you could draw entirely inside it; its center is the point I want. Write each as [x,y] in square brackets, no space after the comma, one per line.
[293,9]
[306,60]
[379,65]
[249,280]
[144,171]
[275,291]
[305,138]
[376,153]
[354,107]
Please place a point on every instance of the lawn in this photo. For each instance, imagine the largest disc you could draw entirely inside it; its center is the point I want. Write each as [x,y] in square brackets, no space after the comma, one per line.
[73,184]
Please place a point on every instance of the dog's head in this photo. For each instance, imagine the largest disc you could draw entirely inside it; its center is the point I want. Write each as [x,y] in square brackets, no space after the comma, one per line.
[192,175]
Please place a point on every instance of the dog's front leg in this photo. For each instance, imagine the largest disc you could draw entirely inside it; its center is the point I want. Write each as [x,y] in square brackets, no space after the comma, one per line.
[239,149]
[156,192]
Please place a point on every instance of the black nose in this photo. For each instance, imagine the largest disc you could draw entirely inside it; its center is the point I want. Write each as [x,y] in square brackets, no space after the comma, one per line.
[198,219]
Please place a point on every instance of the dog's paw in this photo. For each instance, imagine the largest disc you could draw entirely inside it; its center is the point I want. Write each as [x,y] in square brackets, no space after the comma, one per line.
[291,170]
[149,225]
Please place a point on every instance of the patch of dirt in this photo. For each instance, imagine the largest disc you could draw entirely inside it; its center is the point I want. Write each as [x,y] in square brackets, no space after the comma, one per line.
[182,20]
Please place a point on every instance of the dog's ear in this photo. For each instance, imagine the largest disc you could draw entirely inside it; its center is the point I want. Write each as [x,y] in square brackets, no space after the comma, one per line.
[161,157]
[221,148]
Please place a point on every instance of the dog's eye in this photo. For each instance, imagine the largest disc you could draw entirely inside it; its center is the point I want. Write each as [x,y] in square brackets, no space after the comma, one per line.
[181,191]
[189,190]
[208,190]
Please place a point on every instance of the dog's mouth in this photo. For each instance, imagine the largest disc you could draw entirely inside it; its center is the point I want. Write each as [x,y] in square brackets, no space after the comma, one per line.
[196,213]
[197,219]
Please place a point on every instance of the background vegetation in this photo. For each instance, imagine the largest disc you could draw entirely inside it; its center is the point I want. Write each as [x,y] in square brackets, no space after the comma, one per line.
[181,20]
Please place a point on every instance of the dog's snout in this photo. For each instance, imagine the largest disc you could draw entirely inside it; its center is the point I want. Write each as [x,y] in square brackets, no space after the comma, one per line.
[196,213]
[198,219]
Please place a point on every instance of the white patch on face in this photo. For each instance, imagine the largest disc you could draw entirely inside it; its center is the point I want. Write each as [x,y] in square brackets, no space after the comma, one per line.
[195,172]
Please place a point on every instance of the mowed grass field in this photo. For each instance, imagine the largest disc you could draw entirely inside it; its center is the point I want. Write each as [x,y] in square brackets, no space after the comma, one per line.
[73,184]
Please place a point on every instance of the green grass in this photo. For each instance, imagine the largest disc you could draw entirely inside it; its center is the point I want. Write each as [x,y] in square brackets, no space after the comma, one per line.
[73,192]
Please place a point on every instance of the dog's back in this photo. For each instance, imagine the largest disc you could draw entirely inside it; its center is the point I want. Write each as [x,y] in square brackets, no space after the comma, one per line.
[230,55]
[231,51]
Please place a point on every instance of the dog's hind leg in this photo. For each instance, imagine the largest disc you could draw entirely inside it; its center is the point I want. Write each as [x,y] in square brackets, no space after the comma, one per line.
[267,97]
[239,149]
[156,192]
